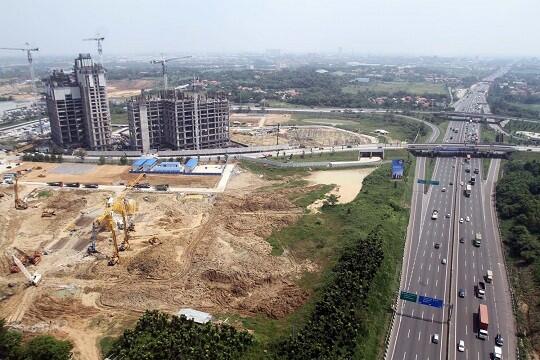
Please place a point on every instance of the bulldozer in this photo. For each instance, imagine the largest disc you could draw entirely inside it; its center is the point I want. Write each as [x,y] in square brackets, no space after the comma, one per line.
[26,259]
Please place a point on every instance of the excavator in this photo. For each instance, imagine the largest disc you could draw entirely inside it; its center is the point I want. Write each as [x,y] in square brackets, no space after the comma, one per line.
[125,208]
[20,204]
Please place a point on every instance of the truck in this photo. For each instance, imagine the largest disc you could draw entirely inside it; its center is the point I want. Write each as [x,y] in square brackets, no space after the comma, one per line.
[483,321]
[477,239]
[489,276]
[468,190]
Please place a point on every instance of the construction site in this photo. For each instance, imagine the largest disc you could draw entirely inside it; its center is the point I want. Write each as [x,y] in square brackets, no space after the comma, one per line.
[85,263]
[272,129]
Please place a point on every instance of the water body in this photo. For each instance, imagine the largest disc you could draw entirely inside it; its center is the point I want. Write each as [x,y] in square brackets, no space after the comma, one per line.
[8,105]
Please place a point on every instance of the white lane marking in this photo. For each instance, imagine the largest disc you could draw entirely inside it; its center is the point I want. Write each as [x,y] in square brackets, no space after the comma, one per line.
[466,329]
[421,266]
[408,333]
[438,268]
[436,282]
[404,355]
[429,267]
[420,333]
[432,317]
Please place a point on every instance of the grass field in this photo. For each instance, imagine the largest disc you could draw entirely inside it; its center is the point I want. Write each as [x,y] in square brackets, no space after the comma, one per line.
[119,119]
[487,134]
[320,238]
[485,168]
[398,128]
[309,157]
[515,125]
[412,88]
[442,127]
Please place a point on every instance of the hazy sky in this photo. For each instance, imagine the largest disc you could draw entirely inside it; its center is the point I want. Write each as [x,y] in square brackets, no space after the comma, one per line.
[410,27]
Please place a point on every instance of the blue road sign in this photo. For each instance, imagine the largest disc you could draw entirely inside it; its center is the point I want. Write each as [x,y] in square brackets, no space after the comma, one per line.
[421,181]
[429,181]
[426,300]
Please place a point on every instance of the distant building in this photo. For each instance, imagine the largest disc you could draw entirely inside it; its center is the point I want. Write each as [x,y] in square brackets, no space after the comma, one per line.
[178,120]
[361,80]
[78,106]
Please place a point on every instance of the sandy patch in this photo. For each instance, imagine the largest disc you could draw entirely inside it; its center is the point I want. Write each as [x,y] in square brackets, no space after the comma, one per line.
[348,181]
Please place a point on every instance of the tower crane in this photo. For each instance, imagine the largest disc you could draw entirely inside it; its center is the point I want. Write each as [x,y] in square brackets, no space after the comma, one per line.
[29,51]
[99,39]
[163,63]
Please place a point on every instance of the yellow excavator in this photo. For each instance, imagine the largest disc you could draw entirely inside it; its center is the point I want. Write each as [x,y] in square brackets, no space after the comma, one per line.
[124,207]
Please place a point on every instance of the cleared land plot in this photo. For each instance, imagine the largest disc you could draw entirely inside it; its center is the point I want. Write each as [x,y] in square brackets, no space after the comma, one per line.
[127,88]
[411,88]
[398,128]
[107,175]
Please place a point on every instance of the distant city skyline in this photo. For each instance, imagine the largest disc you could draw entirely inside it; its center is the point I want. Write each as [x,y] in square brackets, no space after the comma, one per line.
[370,27]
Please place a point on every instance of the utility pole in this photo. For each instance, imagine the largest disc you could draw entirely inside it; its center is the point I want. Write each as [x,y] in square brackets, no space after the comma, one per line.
[277,135]
[28,51]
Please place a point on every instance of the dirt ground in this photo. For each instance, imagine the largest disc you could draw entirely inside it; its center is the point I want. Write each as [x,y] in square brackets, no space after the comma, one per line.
[127,88]
[211,255]
[259,119]
[107,175]
[308,137]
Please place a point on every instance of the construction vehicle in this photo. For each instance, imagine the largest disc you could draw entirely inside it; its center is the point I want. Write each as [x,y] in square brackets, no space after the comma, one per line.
[20,204]
[105,221]
[48,213]
[32,279]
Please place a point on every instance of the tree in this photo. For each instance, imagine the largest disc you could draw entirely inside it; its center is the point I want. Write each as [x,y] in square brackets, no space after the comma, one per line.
[123,160]
[101,160]
[331,200]
[80,153]
[10,343]
[46,347]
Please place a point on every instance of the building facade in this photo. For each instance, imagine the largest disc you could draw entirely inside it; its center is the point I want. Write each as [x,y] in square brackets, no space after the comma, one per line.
[78,106]
[179,120]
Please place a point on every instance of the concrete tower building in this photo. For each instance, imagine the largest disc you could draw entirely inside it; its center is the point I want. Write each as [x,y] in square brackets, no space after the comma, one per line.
[179,120]
[78,106]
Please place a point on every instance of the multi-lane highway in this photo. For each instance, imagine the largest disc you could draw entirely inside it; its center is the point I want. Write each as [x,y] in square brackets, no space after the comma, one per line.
[442,262]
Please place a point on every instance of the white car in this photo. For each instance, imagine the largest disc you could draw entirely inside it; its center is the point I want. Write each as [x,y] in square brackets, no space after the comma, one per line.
[467,219]
[461,346]
[443,189]
[461,183]
[461,220]
[443,261]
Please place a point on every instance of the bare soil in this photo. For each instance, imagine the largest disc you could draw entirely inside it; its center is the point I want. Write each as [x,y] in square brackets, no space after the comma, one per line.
[212,256]
[127,88]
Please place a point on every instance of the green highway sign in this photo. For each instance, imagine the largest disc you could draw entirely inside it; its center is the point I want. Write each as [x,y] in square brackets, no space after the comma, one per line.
[428,181]
[407,296]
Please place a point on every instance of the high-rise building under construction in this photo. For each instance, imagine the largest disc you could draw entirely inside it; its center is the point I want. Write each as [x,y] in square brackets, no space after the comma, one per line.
[178,120]
[78,106]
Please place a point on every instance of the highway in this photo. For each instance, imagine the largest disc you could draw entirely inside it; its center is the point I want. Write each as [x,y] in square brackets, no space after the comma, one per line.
[437,263]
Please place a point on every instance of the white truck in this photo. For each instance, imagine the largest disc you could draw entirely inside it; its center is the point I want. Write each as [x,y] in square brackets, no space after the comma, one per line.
[489,276]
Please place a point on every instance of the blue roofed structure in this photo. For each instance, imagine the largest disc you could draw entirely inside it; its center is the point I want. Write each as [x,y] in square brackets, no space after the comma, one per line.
[398,167]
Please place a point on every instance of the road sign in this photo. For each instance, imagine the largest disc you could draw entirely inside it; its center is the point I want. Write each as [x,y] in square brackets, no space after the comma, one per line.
[428,181]
[407,296]
[426,300]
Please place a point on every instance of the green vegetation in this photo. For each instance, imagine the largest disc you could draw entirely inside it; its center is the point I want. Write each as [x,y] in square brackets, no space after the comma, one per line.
[331,238]
[119,118]
[399,128]
[398,87]
[443,126]
[39,157]
[488,135]
[270,172]
[106,344]
[518,205]
[44,194]
[38,348]
[160,336]
[515,125]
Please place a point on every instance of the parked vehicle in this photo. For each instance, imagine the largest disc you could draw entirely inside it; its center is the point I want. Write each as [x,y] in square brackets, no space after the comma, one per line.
[55,183]
[75,184]
[162,187]
[91,186]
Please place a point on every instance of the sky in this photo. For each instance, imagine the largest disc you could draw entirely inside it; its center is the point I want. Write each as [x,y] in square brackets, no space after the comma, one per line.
[367,27]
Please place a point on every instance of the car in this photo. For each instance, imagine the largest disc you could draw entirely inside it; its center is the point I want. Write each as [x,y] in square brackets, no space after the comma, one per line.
[461,183]
[461,346]
[435,338]
[499,340]
[451,183]
[476,171]
[467,219]
[435,215]
[461,240]
[461,293]
[448,216]
[467,170]
[443,261]
[437,245]
[461,220]
[443,189]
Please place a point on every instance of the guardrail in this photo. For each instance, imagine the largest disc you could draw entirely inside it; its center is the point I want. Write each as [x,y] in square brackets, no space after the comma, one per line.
[314,164]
